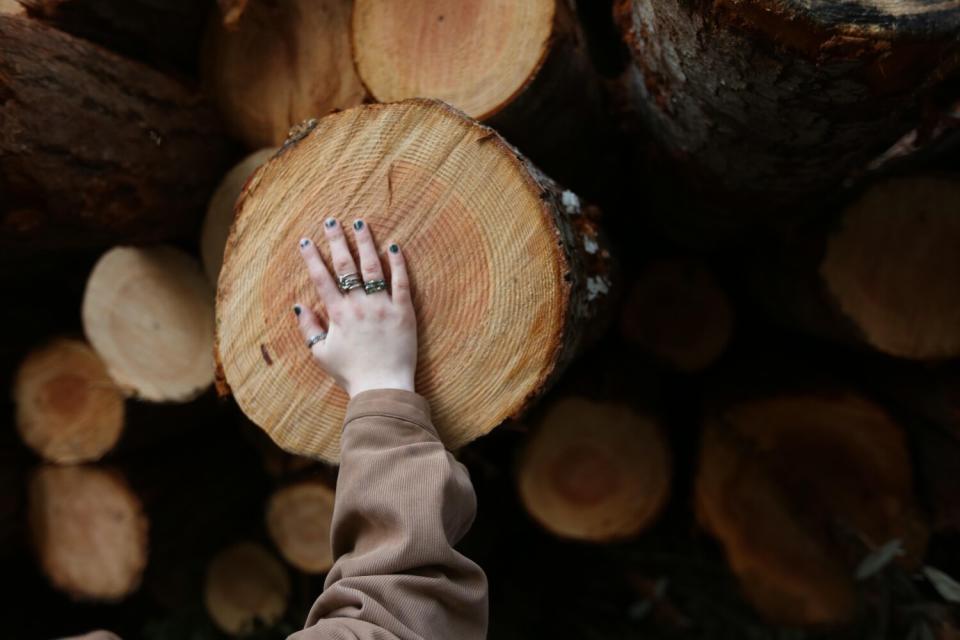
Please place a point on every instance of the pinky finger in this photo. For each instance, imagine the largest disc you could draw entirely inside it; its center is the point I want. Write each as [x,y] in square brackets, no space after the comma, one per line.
[399,280]
[310,326]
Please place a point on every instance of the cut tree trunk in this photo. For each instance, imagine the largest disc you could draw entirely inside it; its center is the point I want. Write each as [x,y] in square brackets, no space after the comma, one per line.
[594,471]
[12,7]
[148,312]
[497,252]
[270,64]
[246,588]
[677,312]
[164,33]
[216,226]
[799,488]
[96,149]
[68,408]
[89,531]
[772,101]
[522,67]
[883,276]
[299,517]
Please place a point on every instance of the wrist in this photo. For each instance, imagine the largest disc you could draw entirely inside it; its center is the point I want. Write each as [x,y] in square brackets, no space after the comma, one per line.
[402,383]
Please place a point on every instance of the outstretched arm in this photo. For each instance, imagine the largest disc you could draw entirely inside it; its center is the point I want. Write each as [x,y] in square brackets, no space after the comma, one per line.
[402,502]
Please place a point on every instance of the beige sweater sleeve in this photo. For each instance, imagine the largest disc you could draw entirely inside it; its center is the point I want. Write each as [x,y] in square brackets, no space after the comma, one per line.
[402,503]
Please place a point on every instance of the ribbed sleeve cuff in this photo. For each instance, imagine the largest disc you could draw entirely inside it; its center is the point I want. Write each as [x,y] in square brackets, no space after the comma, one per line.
[393,403]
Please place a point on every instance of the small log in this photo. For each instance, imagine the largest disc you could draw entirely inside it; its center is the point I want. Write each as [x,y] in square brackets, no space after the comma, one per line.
[118,152]
[164,33]
[12,7]
[774,101]
[299,517]
[798,488]
[68,408]
[521,67]
[470,214]
[594,471]
[89,531]
[149,314]
[276,63]
[882,277]
[677,312]
[216,226]
[246,588]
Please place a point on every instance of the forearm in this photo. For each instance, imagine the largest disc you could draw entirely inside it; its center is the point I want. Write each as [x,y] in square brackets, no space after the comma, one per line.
[402,503]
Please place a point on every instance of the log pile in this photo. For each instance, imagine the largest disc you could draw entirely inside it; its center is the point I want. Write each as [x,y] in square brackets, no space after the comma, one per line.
[599,378]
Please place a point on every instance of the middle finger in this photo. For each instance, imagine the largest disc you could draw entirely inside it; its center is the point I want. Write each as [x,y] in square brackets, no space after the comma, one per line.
[340,255]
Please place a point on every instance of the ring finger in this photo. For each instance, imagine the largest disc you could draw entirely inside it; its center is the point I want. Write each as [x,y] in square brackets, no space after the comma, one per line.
[340,255]
[369,260]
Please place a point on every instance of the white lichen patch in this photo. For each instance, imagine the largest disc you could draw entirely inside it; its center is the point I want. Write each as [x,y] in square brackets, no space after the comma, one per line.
[590,245]
[571,203]
[597,286]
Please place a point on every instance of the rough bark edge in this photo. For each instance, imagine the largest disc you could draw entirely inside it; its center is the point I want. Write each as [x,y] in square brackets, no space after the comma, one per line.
[567,216]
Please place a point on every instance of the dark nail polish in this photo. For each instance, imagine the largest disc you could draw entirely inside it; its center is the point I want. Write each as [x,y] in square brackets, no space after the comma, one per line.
[304,242]
[394,248]
[330,223]
[358,225]
[297,309]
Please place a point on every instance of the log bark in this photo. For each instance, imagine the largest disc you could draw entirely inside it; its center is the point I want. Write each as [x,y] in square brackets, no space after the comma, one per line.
[68,408]
[246,588]
[96,149]
[216,225]
[798,488]
[148,312]
[523,68]
[770,102]
[270,65]
[471,213]
[163,33]
[299,517]
[594,471]
[89,531]
[677,312]
[880,276]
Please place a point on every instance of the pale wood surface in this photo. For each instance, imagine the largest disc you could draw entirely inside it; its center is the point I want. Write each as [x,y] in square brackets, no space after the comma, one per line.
[299,517]
[246,586]
[148,312]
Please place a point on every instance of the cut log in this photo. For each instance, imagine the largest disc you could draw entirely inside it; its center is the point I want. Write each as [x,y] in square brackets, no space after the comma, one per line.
[164,33]
[523,67]
[882,277]
[299,517]
[68,408]
[803,93]
[677,312]
[246,588]
[149,314]
[277,63]
[216,226]
[117,153]
[594,471]
[797,488]
[496,252]
[12,7]
[89,531]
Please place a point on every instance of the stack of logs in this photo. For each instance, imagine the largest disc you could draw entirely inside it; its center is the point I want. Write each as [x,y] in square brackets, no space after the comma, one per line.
[444,128]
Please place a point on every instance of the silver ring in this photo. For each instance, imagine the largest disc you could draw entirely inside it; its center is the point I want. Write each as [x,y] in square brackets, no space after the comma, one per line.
[374,285]
[349,281]
[315,339]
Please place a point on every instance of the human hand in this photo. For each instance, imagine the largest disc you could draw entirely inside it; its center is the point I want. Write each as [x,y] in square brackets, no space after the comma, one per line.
[371,339]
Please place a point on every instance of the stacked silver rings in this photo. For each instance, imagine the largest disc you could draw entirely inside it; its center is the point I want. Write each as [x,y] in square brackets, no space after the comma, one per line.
[349,281]
[374,285]
[314,339]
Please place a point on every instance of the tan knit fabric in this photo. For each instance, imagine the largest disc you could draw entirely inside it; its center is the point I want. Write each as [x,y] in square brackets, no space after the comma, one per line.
[402,503]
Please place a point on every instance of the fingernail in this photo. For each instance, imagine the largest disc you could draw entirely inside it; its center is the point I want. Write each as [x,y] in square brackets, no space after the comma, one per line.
[297,309]
[394,248]
[358,224]
[304,242]
[330,223]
